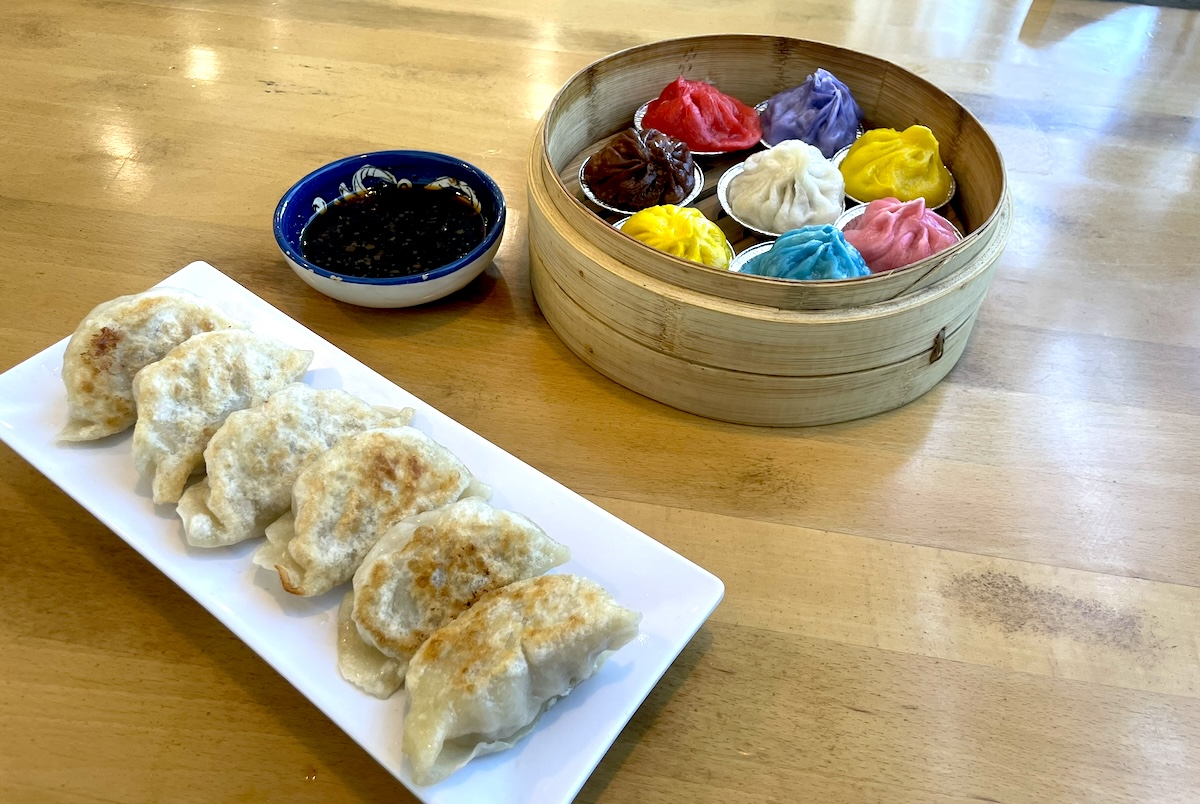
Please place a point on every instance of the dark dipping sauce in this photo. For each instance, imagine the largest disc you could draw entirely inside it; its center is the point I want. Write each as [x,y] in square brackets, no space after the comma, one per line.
[392,230]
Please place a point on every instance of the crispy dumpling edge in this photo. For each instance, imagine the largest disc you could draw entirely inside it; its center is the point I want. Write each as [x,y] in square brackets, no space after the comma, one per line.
[79,429]
[165,475]
[276,553]
[195,505]
[425,767]
[398,537]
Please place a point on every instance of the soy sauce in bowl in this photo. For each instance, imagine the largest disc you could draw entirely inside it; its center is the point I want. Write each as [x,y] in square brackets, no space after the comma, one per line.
[393,230]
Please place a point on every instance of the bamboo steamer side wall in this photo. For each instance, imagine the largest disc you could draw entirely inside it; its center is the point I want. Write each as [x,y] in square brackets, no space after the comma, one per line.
[735,396]
[600,101]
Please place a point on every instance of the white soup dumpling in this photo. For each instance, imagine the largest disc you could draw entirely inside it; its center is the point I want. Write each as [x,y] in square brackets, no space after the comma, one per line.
[787,187]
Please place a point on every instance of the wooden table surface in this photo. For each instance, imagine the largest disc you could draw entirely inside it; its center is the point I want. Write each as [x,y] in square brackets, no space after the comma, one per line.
[988,595]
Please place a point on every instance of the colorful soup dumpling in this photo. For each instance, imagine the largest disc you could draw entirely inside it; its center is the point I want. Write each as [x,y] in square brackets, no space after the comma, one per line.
[789,186]
[682,232]
[885,163]
[640,169]
[821,112]
[891,234]
[809,253]
[704,117]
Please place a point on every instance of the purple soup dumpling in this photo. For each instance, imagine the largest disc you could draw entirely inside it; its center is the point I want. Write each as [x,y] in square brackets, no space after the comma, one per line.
[821,112]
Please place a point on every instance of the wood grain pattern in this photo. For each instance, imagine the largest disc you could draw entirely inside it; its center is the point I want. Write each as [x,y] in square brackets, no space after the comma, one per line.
[1121,632]
[989,594]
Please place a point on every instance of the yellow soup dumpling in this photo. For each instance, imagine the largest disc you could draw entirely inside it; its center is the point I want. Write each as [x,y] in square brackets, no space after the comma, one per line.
[681,231]
[885,163]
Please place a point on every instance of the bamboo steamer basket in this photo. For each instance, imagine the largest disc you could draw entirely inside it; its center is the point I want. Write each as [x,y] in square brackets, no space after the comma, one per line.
[742,348]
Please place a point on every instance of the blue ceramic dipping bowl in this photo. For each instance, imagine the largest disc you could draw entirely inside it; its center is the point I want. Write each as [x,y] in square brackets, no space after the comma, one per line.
[354,174]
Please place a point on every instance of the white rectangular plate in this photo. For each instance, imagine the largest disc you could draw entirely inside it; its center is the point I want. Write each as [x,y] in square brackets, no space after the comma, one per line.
[297,635]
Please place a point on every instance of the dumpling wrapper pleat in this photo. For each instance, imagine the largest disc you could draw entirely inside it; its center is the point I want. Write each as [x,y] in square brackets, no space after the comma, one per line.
[256,455]
[116,340]
[428,569]
[184,398]
[344,500]
[363,664]
[481,682]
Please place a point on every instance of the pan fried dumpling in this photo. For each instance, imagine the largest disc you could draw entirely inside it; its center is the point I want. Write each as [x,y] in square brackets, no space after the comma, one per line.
[254,458]
[343,501]
[425,571]
[183,398]
[117,339]
[480,683]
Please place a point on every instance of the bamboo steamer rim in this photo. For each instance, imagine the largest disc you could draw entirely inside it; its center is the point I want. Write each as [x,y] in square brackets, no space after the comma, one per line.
[803,317]
[600,228]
